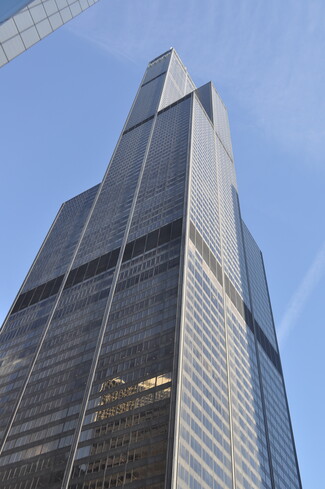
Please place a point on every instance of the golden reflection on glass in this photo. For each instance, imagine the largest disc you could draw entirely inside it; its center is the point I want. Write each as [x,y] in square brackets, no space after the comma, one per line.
[109,397]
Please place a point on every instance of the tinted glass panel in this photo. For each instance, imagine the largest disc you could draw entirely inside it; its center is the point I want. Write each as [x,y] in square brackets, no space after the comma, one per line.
[103,263]
[164,234]
[80,274]
[128,251]
[139,246]
[152,240]
[176,229]
[91,269]
[113,258]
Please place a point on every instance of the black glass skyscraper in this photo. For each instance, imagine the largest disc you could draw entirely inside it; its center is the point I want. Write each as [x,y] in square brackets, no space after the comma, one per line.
[140,351]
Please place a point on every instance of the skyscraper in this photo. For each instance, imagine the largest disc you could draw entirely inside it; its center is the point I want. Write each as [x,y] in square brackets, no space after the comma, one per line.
[25,22]
[140,351]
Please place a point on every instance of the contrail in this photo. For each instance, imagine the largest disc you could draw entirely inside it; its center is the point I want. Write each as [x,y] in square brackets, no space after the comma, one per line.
[298,300]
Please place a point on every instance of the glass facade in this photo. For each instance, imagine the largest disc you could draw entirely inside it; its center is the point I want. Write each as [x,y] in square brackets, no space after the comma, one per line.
[24,23]
[140,351]
[10,7]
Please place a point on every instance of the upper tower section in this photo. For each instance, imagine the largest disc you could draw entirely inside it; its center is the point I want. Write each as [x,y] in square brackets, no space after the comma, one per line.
[165,81]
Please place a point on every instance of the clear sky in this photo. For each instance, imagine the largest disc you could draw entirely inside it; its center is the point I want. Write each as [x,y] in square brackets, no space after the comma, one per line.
[63,104]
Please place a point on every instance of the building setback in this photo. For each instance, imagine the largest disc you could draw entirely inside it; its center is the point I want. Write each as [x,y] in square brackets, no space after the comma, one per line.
[140,351]
[25,22]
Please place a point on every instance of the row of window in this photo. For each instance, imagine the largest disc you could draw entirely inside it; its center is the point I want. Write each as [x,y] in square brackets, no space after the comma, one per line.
[138,124]
[38,294]
[101,264]
[205,252]
[153,474]
[257,331]
[154,415]
[152,79]
[123,457]
[22,330]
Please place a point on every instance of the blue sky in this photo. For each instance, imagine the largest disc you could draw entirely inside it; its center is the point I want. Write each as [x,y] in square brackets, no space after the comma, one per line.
[64,102]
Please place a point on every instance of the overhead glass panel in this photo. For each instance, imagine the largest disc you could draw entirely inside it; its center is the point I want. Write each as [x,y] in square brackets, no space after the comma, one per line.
[8,8]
